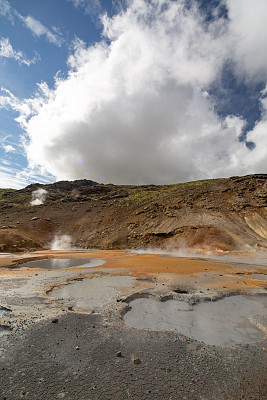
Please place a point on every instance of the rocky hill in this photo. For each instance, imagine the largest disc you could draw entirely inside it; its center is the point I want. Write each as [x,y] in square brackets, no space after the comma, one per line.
[210,215]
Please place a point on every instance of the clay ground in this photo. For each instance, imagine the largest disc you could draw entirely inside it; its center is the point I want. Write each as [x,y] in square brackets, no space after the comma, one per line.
[58,350]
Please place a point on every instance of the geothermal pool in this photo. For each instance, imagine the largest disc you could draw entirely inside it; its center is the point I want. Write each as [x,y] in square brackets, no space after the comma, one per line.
[224,322]
[259,276]
[63,263]
[4,329]
[94,292]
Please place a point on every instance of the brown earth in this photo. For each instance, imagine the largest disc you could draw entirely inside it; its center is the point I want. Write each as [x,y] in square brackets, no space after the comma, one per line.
[221,276]
[218,215]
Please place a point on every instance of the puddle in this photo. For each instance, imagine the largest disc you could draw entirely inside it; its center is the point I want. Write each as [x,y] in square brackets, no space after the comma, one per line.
[62,263]
[4,311]
[4,330]
[223,322]
[94,292]
[259,276]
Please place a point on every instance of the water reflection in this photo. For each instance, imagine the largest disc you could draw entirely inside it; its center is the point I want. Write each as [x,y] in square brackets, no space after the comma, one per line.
[62,263]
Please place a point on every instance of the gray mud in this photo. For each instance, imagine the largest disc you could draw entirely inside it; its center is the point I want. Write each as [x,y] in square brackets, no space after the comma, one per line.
[259,276]
[57,351]
[224,322]
[4,311]
[77,359]
[4,330]
[94,292]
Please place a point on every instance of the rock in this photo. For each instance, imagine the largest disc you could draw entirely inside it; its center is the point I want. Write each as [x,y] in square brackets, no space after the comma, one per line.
[77,348]
[135,360]
[54,321]
[118,354]
[35,219]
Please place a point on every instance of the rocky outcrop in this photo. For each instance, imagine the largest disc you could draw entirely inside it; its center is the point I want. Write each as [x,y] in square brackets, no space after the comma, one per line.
[211,215]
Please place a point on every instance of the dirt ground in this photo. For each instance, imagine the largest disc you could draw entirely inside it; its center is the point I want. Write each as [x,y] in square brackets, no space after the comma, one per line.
[57,350]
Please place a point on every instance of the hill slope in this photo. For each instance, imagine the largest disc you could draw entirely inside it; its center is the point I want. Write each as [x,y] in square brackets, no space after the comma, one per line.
[210,215]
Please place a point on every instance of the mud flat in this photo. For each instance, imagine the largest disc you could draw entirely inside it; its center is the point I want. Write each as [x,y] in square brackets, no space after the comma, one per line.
[76,346]
[224,322]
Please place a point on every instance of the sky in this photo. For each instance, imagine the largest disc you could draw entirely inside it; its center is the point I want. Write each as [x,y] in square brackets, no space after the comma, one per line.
[132,91]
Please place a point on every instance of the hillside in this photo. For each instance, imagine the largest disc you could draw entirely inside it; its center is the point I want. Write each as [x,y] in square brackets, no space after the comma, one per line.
[210,215]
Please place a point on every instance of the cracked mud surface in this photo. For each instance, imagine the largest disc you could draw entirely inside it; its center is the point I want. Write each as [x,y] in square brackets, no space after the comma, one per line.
[59,351]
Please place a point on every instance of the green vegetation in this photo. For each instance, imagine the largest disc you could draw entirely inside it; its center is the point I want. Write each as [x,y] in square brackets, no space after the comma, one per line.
[139,195]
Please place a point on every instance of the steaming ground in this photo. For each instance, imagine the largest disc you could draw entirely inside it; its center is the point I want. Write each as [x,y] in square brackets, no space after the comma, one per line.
[59,348]
[257,258]
[61,242]
[38,197]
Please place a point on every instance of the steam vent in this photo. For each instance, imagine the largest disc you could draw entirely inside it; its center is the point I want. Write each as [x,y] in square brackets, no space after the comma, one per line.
[141,292]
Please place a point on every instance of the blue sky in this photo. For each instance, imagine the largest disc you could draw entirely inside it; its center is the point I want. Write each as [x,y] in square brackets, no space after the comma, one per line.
[132,92]
[47,58]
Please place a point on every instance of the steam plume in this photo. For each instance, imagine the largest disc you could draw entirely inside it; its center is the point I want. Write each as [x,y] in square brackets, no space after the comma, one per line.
[38,197]
[61,242]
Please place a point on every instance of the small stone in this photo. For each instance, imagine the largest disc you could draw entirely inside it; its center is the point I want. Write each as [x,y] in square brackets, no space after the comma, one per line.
[61,395]
[77,348]
[135,359]
[118,354]
[192,347]
[54,321]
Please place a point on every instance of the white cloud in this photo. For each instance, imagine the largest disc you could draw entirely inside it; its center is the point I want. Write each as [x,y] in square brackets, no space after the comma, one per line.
[258,157]
[6,10]
[9,148]
[91,7]
[136,107]
[38,29]
[248,31]
[7,51]
[35,26]
[8,180]
[11,175]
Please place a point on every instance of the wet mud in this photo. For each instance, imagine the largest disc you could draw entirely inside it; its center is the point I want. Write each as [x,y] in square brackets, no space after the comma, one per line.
[224,322]
[95,292]
[68,339]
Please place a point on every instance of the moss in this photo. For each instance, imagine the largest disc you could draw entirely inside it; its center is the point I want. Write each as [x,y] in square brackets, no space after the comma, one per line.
[139,195]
